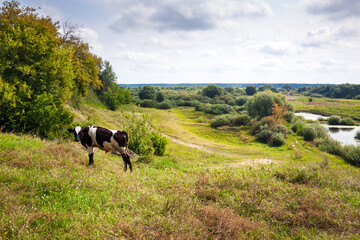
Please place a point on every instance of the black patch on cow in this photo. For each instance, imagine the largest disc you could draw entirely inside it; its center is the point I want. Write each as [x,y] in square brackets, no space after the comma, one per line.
[85,138]
[121,138]
[103,135]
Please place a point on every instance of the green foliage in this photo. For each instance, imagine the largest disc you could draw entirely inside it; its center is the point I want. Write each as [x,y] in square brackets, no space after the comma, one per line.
[241,101]
[348,122]
[223,120]
[261,105]
[298,127]
[148,103]
[357,135]
[268,131]
[167,104]
[47,119]
[147,92]
[250,90]
[212,91]
[336,91]
[218,109]
[159,143]
[110,93]
[334,120]
[241,120]
[313,131]
[142,139]
[160,97]
[37,74]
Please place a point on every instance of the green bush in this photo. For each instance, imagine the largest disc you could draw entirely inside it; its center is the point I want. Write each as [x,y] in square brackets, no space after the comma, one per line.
[264,135]
[334,120]
[357,135]
[220,121]
[218,109]
[348,121]
[159,143]
[309,133]
[167,104]
[298,127]
[241,120]
[277,139]
[147,103]
[241,101]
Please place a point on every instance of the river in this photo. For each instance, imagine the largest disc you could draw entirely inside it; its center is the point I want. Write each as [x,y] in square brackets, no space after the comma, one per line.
[344,134]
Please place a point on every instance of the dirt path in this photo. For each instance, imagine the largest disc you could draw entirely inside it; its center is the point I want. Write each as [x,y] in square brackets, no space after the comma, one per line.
[209,150]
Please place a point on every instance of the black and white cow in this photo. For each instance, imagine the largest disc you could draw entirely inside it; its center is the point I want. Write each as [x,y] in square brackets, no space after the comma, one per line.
[105,139]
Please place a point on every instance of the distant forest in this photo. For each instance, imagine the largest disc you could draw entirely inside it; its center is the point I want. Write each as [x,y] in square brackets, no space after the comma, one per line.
[223,85]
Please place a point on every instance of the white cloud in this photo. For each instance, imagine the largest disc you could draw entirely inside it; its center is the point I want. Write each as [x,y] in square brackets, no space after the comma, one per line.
[138,56]
[92,37]
[185,15]
[278,48]
[317,37]
[334,9]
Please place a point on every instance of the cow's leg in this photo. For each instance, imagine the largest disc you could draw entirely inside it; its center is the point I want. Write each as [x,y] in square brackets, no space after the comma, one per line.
[126,159]
[91,155]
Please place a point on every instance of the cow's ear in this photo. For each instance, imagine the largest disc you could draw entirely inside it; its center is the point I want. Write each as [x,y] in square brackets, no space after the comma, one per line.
[71,130]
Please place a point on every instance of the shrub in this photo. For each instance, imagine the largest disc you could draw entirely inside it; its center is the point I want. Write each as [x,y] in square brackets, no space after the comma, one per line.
[334,120]
[357,135]
[212,91]
[241,120]
[290,117]
[348,121]
[298,127]
[218,109]
[159,143]
[167,104]
[220,121]
[309,133]
[241,101]
[147,103]
[312,131]
[277,139]
[264,135]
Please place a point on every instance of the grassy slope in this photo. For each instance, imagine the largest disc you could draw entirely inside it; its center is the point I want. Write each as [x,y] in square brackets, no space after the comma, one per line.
[47,191]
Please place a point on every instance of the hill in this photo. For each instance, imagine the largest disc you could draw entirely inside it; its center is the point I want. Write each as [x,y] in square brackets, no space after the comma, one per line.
[48,191]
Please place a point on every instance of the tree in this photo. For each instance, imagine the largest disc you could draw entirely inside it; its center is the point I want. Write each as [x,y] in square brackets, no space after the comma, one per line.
[212,91]
[85,64]
[110,93]
[287,87]
[147,92]
[250,90]
[160,97]
[36,73]
[262,104]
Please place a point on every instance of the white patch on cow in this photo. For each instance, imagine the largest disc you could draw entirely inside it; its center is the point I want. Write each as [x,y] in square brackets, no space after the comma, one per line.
[77,129]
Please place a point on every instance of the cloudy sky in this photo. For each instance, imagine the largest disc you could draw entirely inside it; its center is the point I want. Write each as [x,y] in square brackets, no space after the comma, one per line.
[219,41]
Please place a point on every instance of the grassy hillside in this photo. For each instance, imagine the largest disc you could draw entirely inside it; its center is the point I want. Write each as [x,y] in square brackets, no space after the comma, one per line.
[47,191]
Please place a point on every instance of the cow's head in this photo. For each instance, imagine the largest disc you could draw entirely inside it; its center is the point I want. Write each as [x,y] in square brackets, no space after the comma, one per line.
[76,132]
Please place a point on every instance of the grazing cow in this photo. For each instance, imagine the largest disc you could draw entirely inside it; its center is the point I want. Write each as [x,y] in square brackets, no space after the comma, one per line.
[105,139]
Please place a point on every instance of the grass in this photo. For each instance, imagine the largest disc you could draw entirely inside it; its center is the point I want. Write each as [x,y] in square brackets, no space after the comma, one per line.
[47,191]
[328,106]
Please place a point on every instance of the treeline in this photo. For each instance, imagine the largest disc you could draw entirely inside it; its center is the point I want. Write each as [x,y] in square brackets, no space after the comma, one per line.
[42,68]
[349,91]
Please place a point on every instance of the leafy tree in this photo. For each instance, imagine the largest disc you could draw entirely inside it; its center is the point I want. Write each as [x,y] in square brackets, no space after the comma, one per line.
[267,87]
[85,64]
[287,87]
[250,90]
[110,93]
[212,91]
[36,73]
[160,97]
[262,104]
[147,92]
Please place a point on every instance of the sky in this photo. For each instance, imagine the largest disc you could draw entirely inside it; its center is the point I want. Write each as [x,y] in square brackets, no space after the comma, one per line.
[219,41]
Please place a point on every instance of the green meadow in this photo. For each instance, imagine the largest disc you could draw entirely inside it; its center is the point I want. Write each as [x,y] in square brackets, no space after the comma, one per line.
[211,184]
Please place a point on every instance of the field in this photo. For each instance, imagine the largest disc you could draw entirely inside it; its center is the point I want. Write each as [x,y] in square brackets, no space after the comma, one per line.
[328,106]
[212,184]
